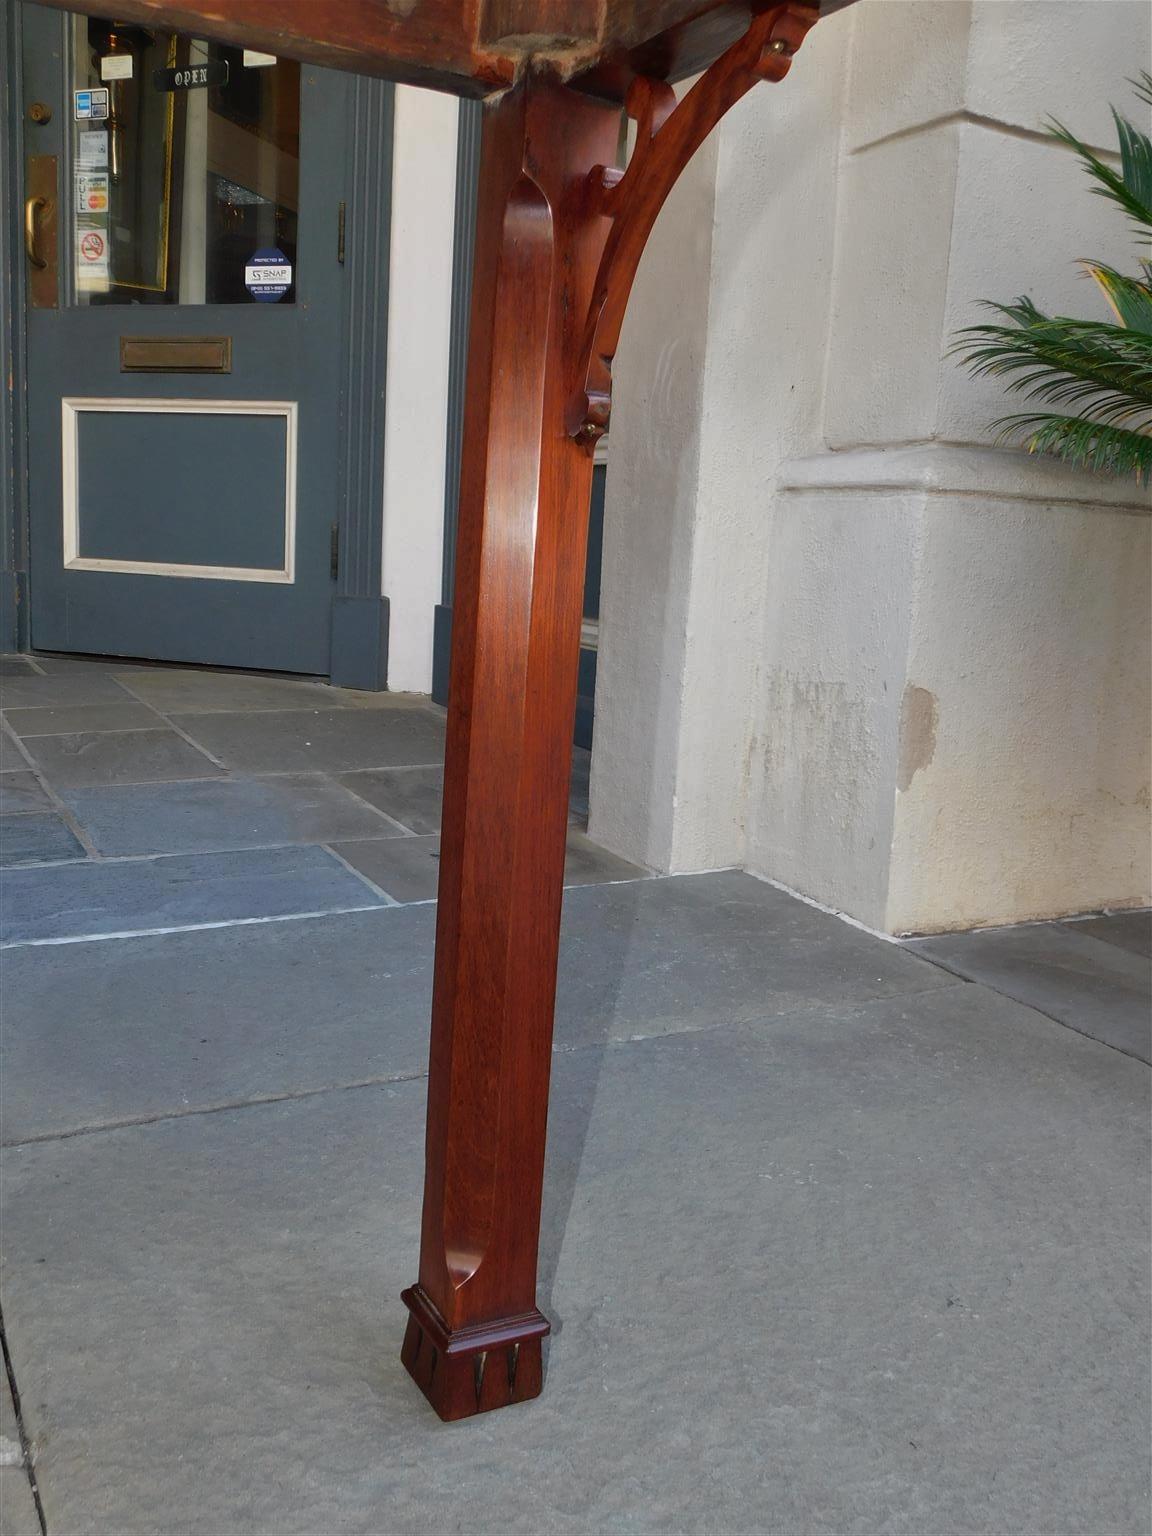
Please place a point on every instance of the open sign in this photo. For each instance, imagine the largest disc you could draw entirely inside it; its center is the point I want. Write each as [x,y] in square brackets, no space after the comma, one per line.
[192,77]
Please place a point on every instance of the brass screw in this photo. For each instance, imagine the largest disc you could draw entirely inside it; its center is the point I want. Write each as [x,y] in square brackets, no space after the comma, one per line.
[779,45]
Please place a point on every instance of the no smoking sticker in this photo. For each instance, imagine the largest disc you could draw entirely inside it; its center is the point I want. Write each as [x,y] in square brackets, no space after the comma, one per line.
[93,264]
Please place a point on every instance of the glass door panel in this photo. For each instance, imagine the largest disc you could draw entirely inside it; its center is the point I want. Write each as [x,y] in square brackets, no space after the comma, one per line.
[185,160]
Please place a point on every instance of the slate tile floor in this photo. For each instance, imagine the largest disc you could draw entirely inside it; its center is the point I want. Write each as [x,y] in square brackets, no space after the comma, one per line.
[136,797]
[840,1235]
[1091,974]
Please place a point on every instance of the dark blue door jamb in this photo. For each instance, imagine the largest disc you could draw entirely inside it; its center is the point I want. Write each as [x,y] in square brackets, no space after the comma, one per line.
[359,609]
[13,505]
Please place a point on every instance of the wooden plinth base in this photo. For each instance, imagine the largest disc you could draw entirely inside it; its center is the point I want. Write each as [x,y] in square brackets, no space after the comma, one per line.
[474,1369]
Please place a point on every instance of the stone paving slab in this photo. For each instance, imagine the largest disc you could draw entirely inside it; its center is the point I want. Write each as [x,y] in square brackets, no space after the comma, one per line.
[21,791]
[78,901]
[10,754]
[691,951]
[1130,930]
[10,1451]
[75,719]
[60,689]
[43,838]
[246,1012]
[291,1007]
[17,1508]
[877,1269]
[408,868]
[328,741]
[1100,989]
[586,863]
[101,759]
[41,663]
[175,692]
[209,816]
[411,796]
[78,663]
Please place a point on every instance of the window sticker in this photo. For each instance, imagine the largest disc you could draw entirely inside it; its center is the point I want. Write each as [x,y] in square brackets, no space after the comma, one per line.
[268,276]
[90,104]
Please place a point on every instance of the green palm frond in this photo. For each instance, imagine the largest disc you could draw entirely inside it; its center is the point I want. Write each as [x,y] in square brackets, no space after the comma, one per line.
[1135,160]
[1088,444]
[1099,371]
[1130,297]
[1059,359]
[1130,187]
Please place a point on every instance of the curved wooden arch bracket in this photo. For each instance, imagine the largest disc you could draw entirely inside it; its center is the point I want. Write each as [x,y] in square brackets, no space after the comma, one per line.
[668,134]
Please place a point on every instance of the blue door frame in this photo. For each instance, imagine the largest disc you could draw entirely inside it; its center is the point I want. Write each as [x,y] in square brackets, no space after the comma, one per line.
[13,499]
[355,653]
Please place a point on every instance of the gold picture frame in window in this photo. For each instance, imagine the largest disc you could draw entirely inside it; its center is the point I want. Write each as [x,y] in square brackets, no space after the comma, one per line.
[135,150]
[164,237]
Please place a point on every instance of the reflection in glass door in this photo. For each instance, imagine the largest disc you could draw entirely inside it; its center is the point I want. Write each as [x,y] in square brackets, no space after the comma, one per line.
[186,169]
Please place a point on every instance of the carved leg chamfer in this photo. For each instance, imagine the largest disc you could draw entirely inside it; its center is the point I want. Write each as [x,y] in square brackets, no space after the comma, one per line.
[558,241]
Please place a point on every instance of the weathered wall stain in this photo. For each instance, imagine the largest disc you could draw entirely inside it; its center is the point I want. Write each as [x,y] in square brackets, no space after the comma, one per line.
[917,733]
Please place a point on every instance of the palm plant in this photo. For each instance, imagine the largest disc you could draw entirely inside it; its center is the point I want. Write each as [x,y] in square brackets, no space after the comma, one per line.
[1099,372]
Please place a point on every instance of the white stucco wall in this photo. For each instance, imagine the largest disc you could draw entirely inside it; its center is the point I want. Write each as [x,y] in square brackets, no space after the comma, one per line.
[722,326]
[957,719]
[1022,790]
[646,579]
[420,278]
[913,674]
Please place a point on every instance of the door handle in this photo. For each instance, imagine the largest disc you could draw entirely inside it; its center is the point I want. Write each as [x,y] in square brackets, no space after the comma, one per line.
[40,231]
[33,208]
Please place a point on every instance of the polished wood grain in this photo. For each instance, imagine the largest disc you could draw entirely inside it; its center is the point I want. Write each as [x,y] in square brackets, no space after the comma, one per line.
[558,240]
[524,502]
[431,43]
[468,47]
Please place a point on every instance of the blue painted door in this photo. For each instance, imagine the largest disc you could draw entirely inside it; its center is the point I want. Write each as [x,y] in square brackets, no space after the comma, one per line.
[184,388]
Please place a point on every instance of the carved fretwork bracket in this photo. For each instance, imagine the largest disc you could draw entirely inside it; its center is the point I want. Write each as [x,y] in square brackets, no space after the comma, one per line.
[668,134]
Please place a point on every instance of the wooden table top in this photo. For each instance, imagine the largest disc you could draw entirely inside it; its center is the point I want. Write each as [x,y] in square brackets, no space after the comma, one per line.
[470,47]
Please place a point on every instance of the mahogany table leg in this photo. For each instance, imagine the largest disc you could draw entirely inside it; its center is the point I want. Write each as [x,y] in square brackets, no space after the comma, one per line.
[558,242]
[474,1335]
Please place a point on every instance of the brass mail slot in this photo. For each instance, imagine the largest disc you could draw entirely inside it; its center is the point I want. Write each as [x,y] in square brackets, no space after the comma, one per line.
[175,354]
